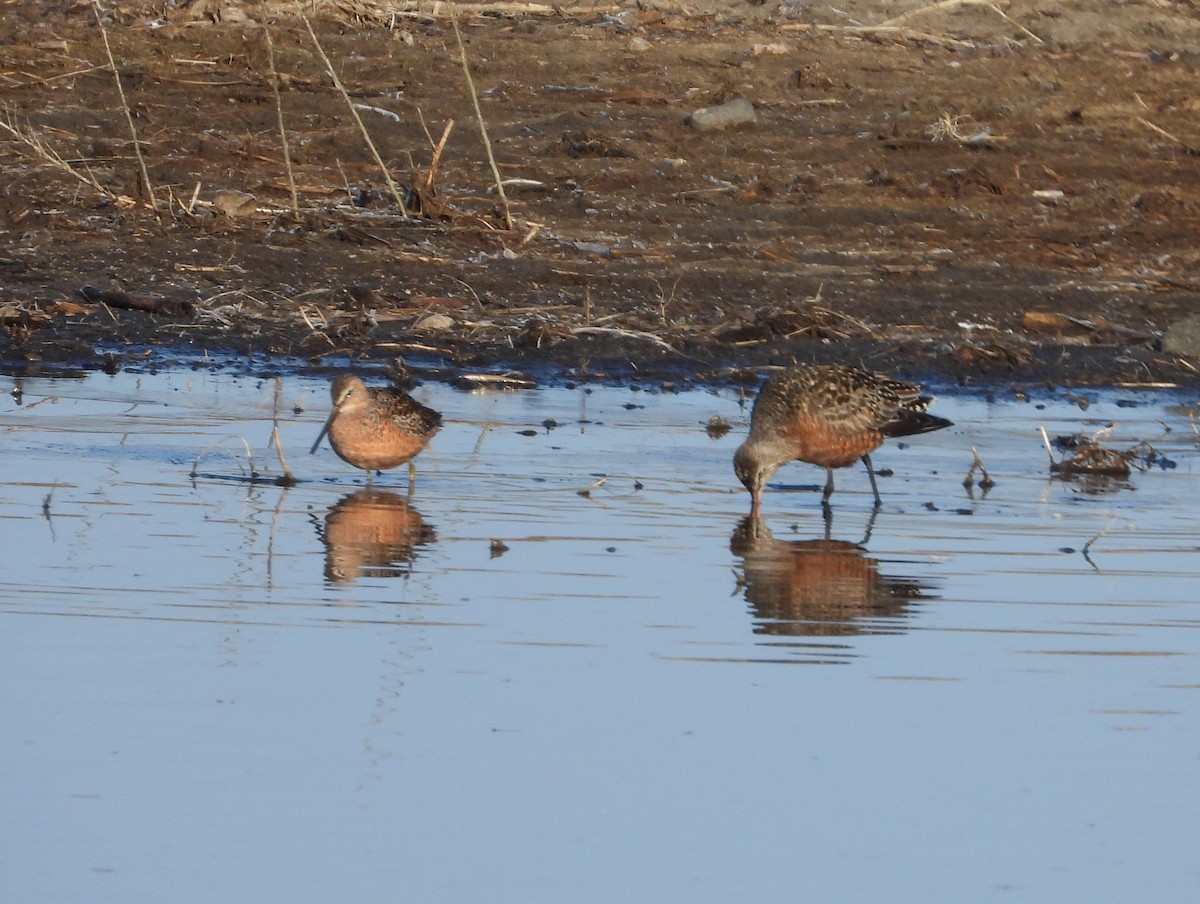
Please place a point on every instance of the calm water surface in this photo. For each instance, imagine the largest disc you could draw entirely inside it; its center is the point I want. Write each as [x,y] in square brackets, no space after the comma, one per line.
[501,690]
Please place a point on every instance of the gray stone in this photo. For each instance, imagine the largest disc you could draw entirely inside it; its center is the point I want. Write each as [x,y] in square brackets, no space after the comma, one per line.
[736,112]
[434,323]
[235,204]
[1183,337]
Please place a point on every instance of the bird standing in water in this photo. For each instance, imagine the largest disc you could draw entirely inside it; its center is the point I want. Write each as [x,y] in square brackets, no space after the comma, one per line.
[376,429]
[827,415]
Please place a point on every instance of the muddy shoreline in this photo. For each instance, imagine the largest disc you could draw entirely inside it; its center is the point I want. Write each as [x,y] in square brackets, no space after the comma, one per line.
[145,348]
[984,201]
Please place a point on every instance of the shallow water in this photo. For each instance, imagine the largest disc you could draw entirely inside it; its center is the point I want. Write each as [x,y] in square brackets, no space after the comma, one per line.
[502,690]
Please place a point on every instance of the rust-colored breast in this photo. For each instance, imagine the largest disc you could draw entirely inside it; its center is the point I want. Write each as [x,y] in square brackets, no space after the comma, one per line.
[369,441]
[825,443]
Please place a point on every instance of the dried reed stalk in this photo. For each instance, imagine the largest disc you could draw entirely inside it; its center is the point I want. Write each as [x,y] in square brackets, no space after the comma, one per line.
[288,479]
[1188,149]
[487,143]
[437,153]
[46,153]
[934,7]
[287,155]
[626,334]
[901,32]
[993,5]
[137,146]
[337,82]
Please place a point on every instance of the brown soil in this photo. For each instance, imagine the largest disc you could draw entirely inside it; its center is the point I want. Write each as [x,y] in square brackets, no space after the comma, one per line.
[1045,231]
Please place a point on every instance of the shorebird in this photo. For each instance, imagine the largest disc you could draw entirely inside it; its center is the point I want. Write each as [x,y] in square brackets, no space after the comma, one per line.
[376,429]
[827,415]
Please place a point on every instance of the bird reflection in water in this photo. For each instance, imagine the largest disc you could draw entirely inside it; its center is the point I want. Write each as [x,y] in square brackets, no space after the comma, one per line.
[818,587]
[372,533]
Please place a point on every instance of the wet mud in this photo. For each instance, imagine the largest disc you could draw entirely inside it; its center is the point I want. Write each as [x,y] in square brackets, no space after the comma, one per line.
[978,196]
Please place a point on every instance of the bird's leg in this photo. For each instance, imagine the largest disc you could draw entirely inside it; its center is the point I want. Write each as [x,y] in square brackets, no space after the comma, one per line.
[866,459]
[412,477]
[828,486]
[827,515]
[370,476]
[870,527]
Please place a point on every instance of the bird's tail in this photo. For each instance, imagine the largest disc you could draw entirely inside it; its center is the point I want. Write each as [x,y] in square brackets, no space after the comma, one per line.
[913,419]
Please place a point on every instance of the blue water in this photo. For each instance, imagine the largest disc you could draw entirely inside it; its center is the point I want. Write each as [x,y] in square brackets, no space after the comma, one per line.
[223,690]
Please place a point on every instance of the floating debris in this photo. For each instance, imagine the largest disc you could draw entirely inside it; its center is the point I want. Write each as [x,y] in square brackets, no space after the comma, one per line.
[717,426]
[587,491]
[509,381]
[1087,456]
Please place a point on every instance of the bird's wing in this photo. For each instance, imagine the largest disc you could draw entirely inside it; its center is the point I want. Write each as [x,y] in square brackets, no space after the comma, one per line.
[846,399]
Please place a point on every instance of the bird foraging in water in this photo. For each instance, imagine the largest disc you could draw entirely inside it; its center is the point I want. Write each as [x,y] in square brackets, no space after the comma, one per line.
[827,415]
[376,429]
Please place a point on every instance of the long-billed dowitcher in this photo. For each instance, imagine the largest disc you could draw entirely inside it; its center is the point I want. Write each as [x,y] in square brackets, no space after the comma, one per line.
[375,429]
[827,415]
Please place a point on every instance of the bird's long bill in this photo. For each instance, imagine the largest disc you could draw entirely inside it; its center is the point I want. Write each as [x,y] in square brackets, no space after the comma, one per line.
[324,430]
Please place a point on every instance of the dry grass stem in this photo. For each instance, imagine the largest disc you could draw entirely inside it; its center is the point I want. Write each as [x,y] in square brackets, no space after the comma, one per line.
[1049,450]
[47,154]
[288,479]
[627,334]
[437,154]
[511,381]
[1003,15]
[337,82]
[900,32]
[986,482]
[993,5]
[483,432]
[964,130]
[345,180]
[587,491]
[1087,547]
[218,444]
[487,142]
[137,146]
[283,139]
[195,197]
[1189,149]
[388,14]
[935,8]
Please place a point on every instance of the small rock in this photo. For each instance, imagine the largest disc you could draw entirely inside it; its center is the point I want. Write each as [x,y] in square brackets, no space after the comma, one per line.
[1183,337]
[435,323]
[235,204]
[736,112]
[638,45]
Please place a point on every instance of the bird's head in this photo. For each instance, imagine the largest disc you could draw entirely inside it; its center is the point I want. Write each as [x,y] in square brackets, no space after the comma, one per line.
[752,470]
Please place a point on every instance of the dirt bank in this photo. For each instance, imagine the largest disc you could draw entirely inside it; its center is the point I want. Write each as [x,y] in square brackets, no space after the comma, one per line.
[984,193]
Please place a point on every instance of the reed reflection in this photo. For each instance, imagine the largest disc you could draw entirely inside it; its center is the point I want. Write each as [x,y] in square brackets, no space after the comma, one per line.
[818,587]
[372,533]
